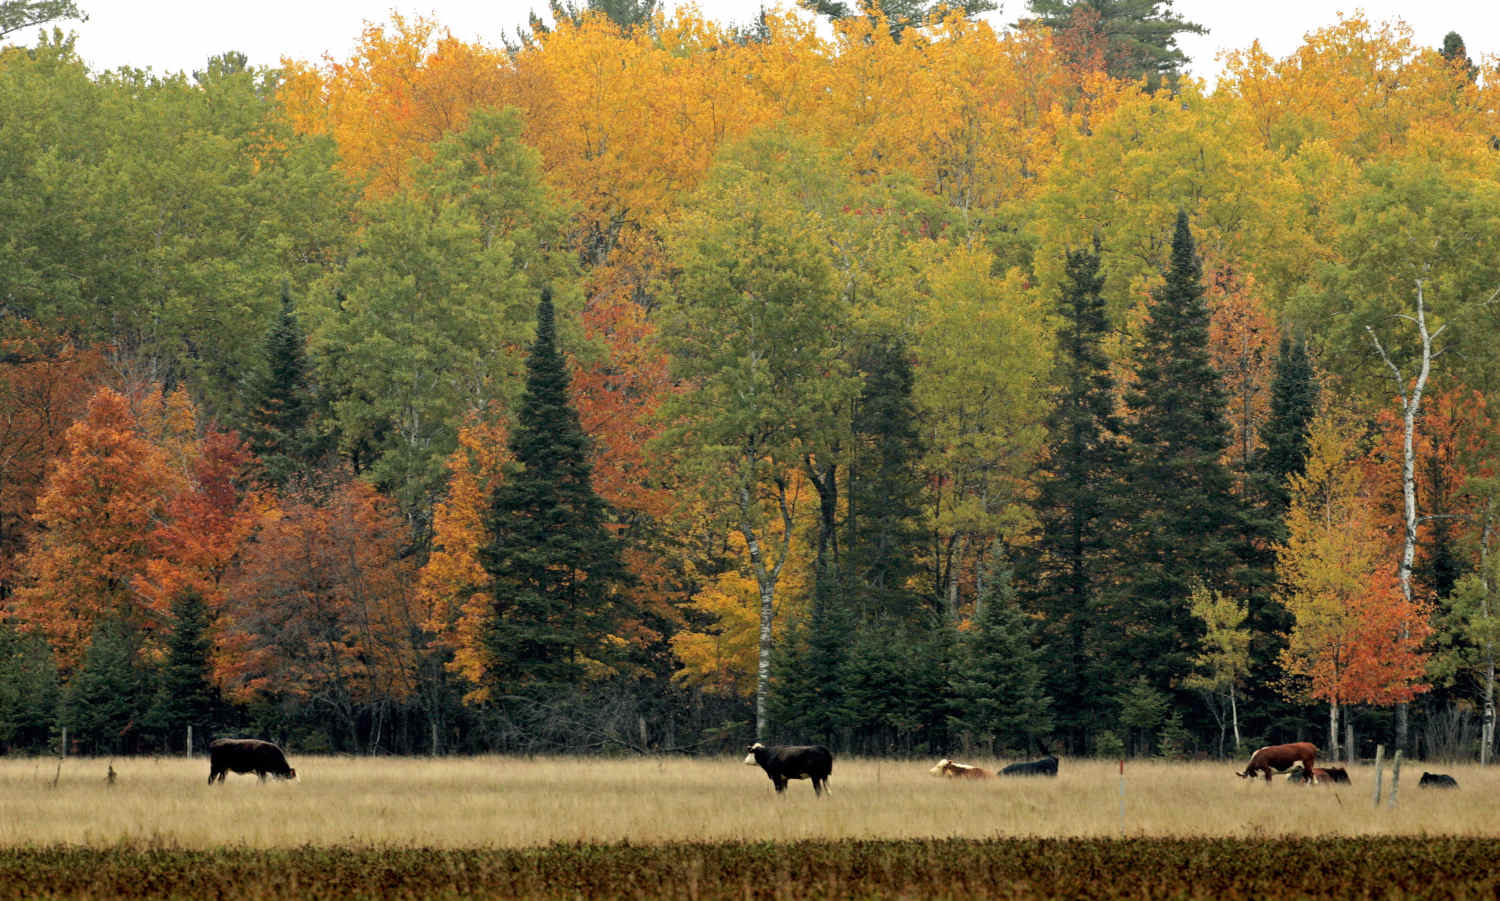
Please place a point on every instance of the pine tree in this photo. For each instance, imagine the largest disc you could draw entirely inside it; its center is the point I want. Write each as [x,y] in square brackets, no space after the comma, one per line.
[1185,522]
[807,696]
[1062,573]
[555,570]
[1131,38]
[280,403]
[185,693]
[885,490]
[997,685]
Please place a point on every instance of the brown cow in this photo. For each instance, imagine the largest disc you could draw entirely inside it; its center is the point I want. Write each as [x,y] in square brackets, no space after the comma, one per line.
[1279,758]
[952,770]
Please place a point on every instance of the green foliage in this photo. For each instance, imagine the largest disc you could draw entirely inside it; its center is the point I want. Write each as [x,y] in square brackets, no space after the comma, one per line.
[807,699]
[185,693]
[426,322]
[16,15]
[280,403]
[895,689]
[997,686]
[1136,38]
[1184,520]
[556,578]
[29,690]
[883,517]
[1142,709]
[105,703]
[1078,487]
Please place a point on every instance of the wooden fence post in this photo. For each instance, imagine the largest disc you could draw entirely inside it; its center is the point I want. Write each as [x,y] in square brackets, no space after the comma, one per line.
[1395,775]
[1379,770]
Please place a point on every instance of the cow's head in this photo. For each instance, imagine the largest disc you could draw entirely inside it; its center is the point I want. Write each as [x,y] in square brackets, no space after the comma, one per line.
[941,768]
[750,753]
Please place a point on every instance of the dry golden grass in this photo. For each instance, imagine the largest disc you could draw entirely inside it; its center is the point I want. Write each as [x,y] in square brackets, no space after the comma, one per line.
[514,802]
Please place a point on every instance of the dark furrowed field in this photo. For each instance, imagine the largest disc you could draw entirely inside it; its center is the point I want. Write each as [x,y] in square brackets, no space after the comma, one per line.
[1366,867]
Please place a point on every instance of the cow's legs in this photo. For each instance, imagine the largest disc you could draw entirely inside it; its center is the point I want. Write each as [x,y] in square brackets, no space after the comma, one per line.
[780,785]
[211,774]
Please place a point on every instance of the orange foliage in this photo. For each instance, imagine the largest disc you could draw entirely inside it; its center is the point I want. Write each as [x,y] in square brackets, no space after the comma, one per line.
[100,507]
[321,605]
[44,386]
[1242,343]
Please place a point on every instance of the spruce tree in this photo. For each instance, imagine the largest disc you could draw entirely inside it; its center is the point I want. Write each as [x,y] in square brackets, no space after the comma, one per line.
[1185,522]
[884,515]
[1294,404]
[557,580]
[185,692]
[106,701]
[280,402]
[29,690]
[997,687]
[1078,489]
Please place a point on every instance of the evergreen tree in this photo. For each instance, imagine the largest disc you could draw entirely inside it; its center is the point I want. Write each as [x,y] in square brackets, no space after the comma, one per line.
[899,14]
[185,694]
[106,701]
[280,402]
[883,520]
[1131,38]
[1294,403]
[1077,491]
[895,688]
[996,685]
[807,696]
[28,690]
[556,575]
[1185,521]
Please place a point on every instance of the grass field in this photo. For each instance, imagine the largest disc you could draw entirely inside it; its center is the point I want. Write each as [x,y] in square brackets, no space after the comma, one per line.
[501,802]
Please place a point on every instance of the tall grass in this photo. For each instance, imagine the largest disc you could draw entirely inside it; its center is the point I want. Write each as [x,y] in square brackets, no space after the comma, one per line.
[488,802]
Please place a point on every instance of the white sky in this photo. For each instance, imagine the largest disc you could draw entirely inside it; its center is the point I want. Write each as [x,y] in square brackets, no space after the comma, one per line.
[180,35]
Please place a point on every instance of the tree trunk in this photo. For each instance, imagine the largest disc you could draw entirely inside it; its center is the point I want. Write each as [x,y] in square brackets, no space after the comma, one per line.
[1488,733]
[1234,718]
[766,576]
[1333,732]
[1411,404]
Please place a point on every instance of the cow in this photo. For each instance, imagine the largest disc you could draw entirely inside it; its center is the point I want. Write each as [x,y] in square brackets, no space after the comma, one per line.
[813,762]
[246,755]
[1279,759]
[1437,780]
[1333,775]
[952,770]
[1047,766]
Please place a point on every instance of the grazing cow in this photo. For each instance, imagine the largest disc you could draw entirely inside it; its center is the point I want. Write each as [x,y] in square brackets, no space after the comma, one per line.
[1279,759]
[813,762]
[952,770]
[1333,775]
[1437,780]
[246,755]
[1047,766]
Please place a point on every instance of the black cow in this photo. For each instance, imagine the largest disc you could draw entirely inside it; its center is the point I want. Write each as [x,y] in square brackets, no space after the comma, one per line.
[813,762]
[1437,780]
[1047,766]
[246,755]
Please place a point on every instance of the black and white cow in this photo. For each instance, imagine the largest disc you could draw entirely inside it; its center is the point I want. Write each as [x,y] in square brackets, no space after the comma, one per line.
[813,762]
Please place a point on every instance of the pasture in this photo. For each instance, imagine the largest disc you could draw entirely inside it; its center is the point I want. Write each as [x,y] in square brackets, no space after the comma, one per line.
[517,803]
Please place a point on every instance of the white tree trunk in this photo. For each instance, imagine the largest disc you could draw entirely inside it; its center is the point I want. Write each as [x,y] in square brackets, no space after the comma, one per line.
[766,576]
[1234,718]
[1411,405]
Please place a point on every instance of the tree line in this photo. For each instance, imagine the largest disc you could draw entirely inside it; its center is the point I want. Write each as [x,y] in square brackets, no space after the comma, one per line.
[654,383]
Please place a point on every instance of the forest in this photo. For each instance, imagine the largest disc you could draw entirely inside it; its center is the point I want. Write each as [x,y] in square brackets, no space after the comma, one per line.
[651,384]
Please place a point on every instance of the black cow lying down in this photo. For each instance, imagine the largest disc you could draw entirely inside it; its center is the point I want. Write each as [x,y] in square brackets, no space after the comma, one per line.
[1047,766]
[813,762]
[1437,780]
[246,755]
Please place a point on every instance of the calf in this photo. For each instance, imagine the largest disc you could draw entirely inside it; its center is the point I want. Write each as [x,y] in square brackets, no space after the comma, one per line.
[1437,780]
[1047,766]
[946,767]
[246,755]
[1333,775]
[1279,758]
[813,762]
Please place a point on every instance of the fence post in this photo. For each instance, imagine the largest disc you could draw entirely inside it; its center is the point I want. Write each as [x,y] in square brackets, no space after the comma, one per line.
[1395,775]
[1122,796]
[1379,771]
